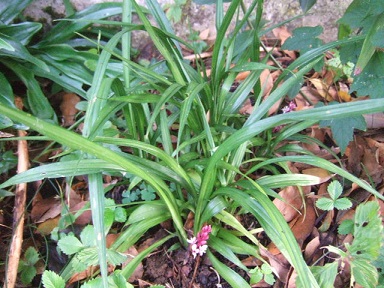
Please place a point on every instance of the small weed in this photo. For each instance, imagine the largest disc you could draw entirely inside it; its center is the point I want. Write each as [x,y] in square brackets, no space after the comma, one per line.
[335,202]
[27,267]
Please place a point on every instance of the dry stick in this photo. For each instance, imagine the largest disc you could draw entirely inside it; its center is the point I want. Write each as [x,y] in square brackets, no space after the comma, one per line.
[18,214]
[197,264]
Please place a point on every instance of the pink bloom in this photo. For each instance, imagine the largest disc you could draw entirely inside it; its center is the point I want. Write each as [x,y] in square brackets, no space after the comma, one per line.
[286,109]
[290,107]
[198,244]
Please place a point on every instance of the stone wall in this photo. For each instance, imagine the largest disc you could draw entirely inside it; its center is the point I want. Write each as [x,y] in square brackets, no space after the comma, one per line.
[201,17]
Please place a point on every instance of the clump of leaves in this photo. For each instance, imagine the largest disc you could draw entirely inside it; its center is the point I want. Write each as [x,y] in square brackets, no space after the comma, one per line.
[145,192]
[362,254]
[335,202]
[27,267]
[343,129]
[341,70]
[262,273]
[7,161]
[198,44]
[85,251]
[174,10]
[52,280]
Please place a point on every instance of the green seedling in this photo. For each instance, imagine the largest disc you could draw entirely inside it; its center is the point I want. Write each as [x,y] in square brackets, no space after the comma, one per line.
[335,202]
[27,267]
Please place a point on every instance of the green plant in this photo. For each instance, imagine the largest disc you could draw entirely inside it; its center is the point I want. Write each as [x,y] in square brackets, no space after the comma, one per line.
[7,161]
[262,273]
[27,55]
[27,267]
[174,10]
[189,143]
[334,190]
[361,254]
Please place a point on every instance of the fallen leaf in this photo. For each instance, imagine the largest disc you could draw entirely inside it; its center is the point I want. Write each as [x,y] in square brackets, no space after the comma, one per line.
[283,34]
[303,224]
[293,202]
[323,174]
[279,264]
[68,108]
[312,251]
[47,226]
[343,92]
[322,88]
[45,209]
[375,121]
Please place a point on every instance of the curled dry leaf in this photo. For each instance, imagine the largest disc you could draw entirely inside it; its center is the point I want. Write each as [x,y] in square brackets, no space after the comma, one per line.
[327,92]
[45,209]
[321,173]
[292,203]
[375,121]
[279,264]
[68,108]
[283,34]
[343,92]
[303,224]
[312,250]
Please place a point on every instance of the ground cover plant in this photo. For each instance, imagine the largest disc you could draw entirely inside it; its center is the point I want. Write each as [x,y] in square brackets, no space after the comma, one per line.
[243,165]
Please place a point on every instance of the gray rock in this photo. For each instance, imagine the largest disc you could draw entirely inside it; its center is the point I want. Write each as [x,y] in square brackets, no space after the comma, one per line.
[202,17]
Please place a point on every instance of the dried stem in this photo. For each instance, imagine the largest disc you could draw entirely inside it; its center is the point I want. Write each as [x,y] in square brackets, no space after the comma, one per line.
[18,215]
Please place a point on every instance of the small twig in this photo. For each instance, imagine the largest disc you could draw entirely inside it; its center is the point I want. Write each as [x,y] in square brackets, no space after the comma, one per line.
[18,214]
[197,263]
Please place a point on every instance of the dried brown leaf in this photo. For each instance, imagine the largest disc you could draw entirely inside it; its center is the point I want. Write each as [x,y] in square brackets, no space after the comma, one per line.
[68,108]
[293,202]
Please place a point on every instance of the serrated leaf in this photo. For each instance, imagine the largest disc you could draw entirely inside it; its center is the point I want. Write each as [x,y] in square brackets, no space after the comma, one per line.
[31,256]
[304,39]
[373,40]
[115,258]
[256,276]
[367,231]
[148,195]
[335,189]
[266,269]
[326,274]
[84,258]
[117,280]
[27,274]
[346,227]
[342,129]
[120,214]
[343,204]
[87,236]
[269,279]
[371,80]
[51,280]
[70,245]
[325,204]
[364,273]
[361,14]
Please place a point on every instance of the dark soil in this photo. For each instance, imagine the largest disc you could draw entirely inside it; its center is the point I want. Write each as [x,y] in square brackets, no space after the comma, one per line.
[177,270]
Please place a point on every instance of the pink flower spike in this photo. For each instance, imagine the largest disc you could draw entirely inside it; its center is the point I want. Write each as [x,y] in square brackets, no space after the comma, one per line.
[198,244]
[290,107]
